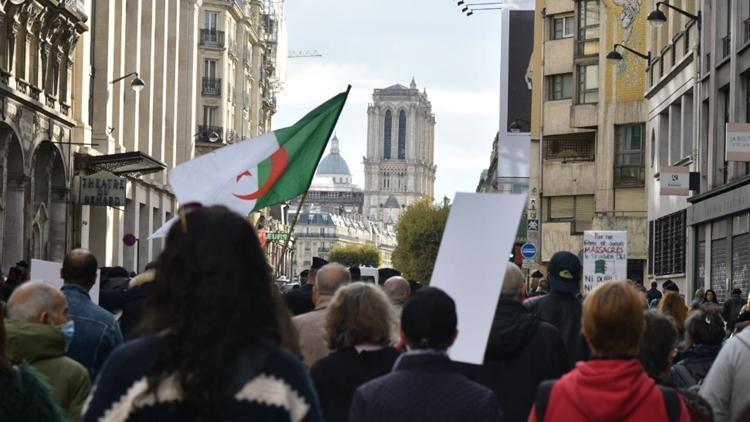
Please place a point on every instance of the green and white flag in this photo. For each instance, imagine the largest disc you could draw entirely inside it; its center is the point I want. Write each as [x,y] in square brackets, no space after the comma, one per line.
[259,172]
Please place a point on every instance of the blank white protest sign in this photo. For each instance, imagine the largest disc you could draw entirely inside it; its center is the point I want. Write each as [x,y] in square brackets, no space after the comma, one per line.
[471,264]
[49,272]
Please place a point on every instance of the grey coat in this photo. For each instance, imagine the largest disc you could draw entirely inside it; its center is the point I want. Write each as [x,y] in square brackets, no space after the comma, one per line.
[727,385]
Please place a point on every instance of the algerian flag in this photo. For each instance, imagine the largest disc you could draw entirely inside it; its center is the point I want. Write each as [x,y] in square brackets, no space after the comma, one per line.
[258,172]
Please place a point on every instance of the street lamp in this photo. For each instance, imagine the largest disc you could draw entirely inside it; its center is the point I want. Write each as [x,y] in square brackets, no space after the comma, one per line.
[615,56]
[18,2]
[657,18]
[137,84]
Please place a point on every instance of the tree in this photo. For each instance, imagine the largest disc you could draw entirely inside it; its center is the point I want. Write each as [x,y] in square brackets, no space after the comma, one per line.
[418,235]
[351,255]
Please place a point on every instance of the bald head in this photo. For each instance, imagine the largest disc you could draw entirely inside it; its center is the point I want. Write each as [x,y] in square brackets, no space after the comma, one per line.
[330,278]
[79,267]
[38,302]
[513,283]
[397,289]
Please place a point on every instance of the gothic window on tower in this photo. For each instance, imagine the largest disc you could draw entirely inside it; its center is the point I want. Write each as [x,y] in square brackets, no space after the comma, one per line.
[401,135]
[387,135]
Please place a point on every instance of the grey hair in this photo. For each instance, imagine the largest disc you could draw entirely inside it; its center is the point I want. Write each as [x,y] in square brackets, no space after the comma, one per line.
[397,288]
[512,282]
[30,299]
[330,277]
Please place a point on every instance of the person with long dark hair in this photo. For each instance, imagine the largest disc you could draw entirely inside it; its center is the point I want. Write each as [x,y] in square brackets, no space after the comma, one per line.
[24,396]
[214,333]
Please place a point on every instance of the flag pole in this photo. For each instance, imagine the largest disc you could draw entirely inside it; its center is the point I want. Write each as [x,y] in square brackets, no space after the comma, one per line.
[289,234]
[304,195]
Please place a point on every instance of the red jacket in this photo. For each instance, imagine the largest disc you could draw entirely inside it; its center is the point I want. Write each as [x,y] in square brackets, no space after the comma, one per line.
[607,390]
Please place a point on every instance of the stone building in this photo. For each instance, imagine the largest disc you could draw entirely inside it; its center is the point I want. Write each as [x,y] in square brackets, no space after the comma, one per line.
[699,83]
[38,116]
[236,59]
[111,90]
[588,125]
[399,166]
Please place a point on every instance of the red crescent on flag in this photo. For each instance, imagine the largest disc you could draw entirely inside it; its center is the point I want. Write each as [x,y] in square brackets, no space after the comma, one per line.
[279,161]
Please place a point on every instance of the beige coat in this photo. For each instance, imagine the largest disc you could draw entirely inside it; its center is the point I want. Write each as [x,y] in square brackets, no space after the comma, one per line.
[311,329]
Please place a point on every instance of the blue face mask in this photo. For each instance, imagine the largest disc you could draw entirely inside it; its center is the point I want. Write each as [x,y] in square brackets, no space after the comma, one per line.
[68,330]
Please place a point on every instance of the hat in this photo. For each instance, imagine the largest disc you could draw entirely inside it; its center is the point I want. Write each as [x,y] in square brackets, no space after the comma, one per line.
[537,274]
[318,263]
[736,291]
[386,273]
[670,285]
[22,264]
[429,319]
[564,272]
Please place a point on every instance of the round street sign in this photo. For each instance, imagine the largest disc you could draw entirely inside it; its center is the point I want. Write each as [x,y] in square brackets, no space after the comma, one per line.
[528,250]
[129,239]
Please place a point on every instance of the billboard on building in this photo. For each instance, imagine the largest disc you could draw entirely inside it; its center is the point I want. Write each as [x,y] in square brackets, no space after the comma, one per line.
[516,47]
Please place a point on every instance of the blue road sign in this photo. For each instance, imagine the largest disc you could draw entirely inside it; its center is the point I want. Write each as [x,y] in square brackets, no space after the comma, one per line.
[528,250]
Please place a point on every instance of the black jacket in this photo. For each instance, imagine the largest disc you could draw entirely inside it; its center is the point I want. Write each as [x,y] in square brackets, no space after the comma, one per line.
[299,301]
[521,352]
[563,310]
[424,387]
[337,375]
[731,310]
[692,364]
[653,293]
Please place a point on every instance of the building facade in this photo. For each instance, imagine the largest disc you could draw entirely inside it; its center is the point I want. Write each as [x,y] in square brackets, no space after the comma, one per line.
[332,215]
[236,59]
[399,166]
[39,113]
[698,84]
[588,125]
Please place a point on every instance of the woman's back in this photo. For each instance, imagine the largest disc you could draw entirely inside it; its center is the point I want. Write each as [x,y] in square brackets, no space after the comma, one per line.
[276,390]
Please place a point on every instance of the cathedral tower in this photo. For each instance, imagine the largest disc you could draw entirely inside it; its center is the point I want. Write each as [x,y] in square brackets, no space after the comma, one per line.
[399,166]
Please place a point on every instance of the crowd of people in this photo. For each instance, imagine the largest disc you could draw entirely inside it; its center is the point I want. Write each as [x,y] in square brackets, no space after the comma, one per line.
[205,334]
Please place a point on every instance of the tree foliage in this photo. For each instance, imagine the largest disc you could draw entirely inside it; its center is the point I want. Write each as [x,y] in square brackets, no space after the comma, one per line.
[351,255]
[418,235]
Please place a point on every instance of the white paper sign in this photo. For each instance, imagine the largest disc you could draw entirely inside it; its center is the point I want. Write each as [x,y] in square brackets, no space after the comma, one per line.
[49,272]
[605,257]
[471,264]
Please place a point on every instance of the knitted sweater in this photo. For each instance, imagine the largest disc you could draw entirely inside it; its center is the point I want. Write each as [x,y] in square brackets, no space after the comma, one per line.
[281,391]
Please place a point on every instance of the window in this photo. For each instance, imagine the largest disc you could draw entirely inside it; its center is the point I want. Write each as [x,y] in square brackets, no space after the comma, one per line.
[560,86]
[209,69]
[588,84]
[588,20]
[209,116]
[401,135]
[669,241]
[211,20]
[629,155]
[581,149]
[387,135]
[562,27]
[577,209]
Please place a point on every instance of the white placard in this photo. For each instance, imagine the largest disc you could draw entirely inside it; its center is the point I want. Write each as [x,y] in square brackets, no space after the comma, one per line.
[674,181]
[49,272]
[471,264]
[605,257]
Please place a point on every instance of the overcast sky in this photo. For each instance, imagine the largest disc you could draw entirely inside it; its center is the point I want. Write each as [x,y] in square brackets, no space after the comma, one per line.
[377,43]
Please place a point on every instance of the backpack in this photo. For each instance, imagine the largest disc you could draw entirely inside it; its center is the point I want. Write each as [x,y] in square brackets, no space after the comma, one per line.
[671,400]
[689,373]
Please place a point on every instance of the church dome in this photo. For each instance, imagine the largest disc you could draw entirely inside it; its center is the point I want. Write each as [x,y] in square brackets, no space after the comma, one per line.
[333,163]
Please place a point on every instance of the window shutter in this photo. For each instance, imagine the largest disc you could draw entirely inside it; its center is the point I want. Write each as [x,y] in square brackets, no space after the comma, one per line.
[584,212]
[561,207]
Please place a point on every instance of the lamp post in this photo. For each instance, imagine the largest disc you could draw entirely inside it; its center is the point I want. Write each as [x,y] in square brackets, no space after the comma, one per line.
[469,10]
[615,56]
[657,18]
[137,84]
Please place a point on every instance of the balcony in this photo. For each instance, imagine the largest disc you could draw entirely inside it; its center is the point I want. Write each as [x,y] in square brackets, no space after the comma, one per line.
[746,25]
[210,134]
[211,87]
[726,44]
[212,38]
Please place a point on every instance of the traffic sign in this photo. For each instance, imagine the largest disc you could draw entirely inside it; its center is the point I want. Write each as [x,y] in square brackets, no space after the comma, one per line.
[129,239]
[532,225]
[528,264]
[528,250]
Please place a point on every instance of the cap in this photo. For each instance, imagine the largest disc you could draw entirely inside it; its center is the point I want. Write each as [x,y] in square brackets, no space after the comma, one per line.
[670,285]
[429,319]
[564,272]
[736,291]
[318,263]
[537,274]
